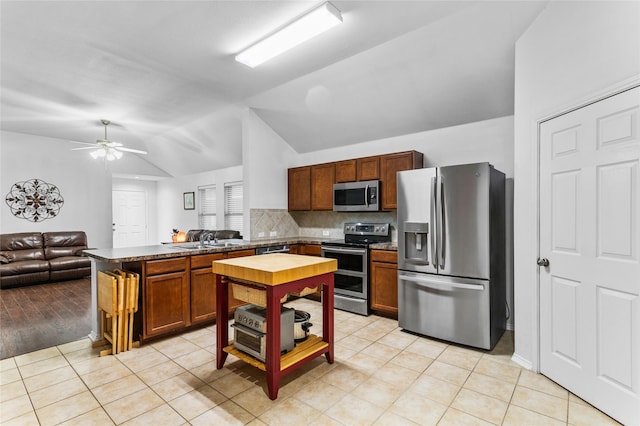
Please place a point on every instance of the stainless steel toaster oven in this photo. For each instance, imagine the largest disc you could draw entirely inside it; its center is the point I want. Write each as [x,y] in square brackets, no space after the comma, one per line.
[250,330]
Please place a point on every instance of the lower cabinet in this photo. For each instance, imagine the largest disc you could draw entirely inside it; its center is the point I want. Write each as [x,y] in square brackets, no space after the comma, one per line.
[181,292]
[203,287]
[384,282]
[166,296]
[312,250]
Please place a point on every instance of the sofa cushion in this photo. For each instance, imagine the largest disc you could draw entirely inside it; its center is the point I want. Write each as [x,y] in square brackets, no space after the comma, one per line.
[69,262]
[62,244]
[22,246]
[23,267]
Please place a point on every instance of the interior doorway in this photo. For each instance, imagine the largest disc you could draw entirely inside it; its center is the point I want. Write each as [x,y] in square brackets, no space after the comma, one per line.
[590,253]
[129,218]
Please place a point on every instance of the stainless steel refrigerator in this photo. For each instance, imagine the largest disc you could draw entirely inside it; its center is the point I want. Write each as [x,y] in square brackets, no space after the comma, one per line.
[451,253]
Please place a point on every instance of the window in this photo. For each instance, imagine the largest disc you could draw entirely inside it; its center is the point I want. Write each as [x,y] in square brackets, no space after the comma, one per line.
[207,210]
[233,206]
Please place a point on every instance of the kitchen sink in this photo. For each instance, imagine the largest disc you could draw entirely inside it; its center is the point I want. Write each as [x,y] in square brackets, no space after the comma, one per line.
[186,247]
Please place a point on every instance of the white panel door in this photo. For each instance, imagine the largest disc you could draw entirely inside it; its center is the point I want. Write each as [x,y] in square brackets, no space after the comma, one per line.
[590,235]
[129,218]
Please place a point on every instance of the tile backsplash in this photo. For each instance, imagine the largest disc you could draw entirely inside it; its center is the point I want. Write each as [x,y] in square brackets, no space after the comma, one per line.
[312,224]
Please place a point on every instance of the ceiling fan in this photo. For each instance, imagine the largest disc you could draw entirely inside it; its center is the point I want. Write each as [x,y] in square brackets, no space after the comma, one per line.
[108,149]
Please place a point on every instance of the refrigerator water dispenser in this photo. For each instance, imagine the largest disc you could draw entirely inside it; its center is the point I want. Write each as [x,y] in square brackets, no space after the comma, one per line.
[416,237]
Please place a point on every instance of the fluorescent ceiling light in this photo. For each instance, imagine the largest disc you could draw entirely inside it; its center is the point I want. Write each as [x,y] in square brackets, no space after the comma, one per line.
[311,24]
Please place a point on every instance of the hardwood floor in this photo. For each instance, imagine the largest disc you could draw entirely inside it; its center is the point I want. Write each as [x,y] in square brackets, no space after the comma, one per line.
[44,315]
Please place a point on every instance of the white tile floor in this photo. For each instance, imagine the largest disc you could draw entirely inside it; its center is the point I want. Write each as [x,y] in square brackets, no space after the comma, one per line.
[381,376]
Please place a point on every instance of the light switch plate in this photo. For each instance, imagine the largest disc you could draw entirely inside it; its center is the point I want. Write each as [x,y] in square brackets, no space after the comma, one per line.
[273,233]
[260,234]
[325,233]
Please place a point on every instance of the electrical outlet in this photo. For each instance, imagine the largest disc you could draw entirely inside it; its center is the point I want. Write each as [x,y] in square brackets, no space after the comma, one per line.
[325,233]
[260,234]
[273,233]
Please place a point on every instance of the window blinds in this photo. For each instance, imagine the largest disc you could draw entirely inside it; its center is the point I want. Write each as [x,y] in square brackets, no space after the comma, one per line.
[233,206]
[207,203]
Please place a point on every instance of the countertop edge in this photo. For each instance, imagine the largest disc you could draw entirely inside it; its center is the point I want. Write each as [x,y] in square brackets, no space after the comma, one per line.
[166,251]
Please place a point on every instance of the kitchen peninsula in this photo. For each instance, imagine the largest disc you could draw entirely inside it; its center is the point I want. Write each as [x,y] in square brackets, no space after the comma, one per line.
[177,285]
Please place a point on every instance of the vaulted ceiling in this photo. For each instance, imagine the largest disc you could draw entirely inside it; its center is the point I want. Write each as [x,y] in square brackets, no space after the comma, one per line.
[163,72]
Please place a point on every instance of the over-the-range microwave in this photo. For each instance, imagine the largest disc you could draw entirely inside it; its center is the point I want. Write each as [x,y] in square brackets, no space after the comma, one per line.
[361,196]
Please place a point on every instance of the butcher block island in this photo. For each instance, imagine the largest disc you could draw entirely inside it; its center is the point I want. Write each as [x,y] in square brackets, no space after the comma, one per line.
[268,279]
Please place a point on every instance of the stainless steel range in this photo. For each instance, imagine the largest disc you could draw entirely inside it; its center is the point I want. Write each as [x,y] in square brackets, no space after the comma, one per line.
[351,280]
[250,330]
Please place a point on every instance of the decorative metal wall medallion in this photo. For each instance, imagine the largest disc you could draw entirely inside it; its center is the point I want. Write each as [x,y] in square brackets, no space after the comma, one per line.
[34,200]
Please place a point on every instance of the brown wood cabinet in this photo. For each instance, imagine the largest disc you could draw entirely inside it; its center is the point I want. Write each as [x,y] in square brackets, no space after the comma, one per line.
[312,250]
[368,168]
[311,187]
[390,164]
[323,176]
[203,287]
[299,196]
[346,171]
[181,292]
[384,282]
[166,295]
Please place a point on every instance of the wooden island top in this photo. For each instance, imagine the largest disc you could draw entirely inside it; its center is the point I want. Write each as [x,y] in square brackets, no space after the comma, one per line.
[274,269]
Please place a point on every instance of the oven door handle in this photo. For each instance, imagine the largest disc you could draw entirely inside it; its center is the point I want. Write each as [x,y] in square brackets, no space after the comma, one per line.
[344,250]
[248,330]
[349,273]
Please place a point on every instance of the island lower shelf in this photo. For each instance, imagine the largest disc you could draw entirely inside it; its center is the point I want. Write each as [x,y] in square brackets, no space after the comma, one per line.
[312,346]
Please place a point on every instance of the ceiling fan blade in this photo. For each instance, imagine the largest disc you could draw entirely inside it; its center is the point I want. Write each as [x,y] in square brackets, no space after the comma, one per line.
[83,143]
[135,151]
[85,147]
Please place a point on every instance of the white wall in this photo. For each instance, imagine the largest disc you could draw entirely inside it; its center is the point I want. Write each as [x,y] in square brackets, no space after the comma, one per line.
[169,208]
[490,140]
[84,184]
[572,53]
[266,158]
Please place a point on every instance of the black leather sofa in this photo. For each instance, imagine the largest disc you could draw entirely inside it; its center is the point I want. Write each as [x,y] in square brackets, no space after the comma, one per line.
[210,234]
[34,257]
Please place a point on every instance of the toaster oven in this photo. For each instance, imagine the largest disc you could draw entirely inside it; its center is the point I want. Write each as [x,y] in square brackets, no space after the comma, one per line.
[250,330]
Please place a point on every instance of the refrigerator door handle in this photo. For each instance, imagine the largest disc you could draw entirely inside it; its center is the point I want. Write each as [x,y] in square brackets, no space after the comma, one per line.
[434,226]
[441,225]
[439,284]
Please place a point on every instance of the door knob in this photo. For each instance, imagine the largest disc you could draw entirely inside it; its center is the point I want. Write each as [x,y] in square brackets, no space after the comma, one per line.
[543,262]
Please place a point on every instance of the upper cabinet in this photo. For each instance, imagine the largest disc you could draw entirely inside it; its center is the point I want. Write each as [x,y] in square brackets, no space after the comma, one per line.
[300,188]
[390,164]
[311,187]
[346,171]
[368,168]
[323,176]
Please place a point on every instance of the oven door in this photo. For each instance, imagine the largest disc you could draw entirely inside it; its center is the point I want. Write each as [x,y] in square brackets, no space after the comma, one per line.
[351,276]
[250,341]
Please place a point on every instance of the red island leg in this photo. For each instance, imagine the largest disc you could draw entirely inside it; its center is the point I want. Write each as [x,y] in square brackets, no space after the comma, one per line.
[273,343]
[327,314]
[222,320]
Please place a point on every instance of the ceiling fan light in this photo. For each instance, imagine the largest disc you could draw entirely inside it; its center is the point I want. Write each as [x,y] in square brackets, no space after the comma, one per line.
[311,24]
[97,153]
[117,154]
